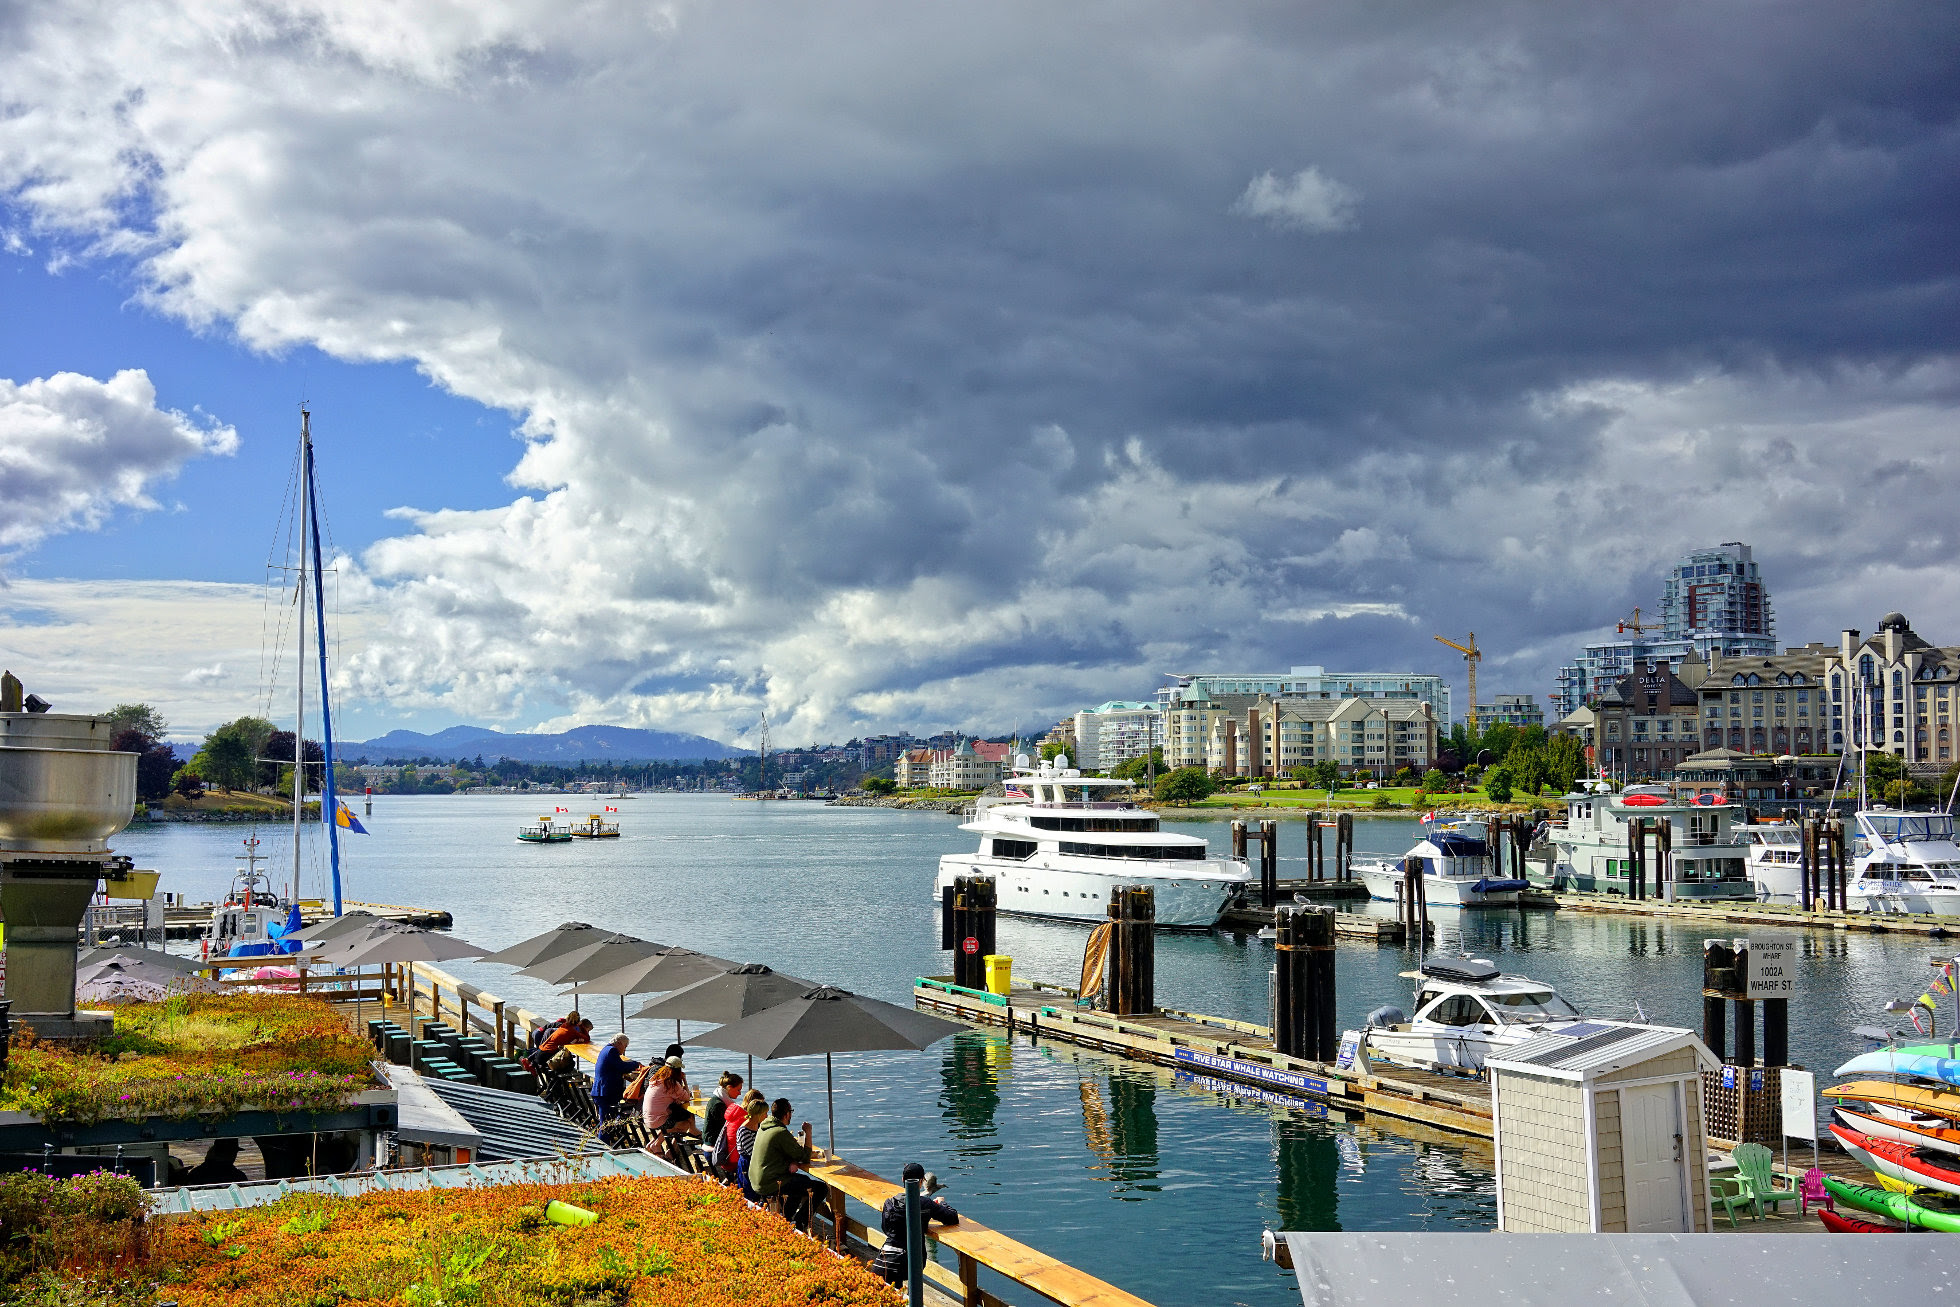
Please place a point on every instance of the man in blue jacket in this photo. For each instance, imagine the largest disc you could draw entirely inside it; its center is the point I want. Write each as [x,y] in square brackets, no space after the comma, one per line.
[609,1076]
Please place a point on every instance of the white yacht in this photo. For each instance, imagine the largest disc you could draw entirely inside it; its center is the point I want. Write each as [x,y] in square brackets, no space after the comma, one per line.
[1466,1010]
[1457,871]
[1053,848]
[1590,852]
[1775,859]
[1911,863]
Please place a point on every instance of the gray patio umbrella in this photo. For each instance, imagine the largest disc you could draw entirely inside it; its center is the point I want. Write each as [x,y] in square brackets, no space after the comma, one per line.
[727,996]
[335,927]
[668,969]
[396,943]
[566,937]
[596,959]
[105,973]
[153,957]
[829,1020]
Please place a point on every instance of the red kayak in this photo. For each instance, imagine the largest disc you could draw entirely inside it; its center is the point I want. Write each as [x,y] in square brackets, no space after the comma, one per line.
[1897,1161]
[1852,1225]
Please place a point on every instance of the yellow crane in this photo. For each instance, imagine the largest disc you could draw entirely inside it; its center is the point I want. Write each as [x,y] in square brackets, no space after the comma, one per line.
[1472,655]
[1635,624]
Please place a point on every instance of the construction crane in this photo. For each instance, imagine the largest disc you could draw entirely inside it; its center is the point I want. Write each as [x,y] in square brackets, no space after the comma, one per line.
[1635,624]
[1472,655]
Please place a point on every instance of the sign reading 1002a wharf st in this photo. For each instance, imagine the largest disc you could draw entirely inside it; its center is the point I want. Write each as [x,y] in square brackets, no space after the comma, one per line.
[1772,966]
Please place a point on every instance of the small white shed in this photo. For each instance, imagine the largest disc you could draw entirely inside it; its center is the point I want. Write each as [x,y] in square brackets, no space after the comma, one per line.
[1599,1130]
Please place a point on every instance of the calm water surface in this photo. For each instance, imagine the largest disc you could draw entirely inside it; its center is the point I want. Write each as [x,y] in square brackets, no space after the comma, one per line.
[1153,1181]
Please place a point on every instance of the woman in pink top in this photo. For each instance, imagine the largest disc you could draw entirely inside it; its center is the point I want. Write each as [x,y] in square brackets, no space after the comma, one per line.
[666,1107]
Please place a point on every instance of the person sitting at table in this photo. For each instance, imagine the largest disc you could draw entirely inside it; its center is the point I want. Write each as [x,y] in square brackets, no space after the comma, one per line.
[609,1077]
[774,1169]
[574,1030]
[890,1261]
[714,1121]
[669,1100]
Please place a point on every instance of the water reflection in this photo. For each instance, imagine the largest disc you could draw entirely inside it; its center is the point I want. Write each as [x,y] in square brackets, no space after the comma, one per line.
[1307,1161]
[1123,1134]
[969,1076]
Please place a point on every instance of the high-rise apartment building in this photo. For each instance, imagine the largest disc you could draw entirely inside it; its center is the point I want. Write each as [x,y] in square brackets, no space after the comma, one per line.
[1713,604]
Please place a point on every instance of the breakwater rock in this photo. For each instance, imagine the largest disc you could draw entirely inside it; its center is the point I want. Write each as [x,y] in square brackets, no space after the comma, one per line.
[954,806]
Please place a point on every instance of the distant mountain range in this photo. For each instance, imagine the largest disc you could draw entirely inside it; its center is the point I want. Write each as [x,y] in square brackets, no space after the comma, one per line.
[581,744]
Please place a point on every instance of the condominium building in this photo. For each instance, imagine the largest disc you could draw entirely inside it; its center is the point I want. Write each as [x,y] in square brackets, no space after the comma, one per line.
[1511,710]
[1647,723]
[1768,705]
[1115,732]
[1894,691]
[1713,604]
[1258,735]
[1316,683]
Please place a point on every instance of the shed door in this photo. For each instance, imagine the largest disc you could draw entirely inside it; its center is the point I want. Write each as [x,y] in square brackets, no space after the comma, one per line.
[1650,1137]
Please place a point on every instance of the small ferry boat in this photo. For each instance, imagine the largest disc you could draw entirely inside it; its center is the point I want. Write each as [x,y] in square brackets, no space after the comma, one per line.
[595,827]
[1589,853]
[1465,1011]
[1054,849]
[1911,863]
[1457,871]
[545,832]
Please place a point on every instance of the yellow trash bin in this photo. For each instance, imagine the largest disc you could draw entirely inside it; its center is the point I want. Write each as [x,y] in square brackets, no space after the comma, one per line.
[1000,969]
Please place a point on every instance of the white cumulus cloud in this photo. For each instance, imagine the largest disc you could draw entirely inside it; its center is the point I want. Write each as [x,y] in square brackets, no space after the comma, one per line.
[74,449]
[1309,200]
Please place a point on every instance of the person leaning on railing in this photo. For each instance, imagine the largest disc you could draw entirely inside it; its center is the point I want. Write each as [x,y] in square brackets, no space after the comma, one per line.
[890,1261]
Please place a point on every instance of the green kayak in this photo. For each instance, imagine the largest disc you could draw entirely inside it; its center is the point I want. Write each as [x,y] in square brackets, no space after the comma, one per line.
[1897,1206]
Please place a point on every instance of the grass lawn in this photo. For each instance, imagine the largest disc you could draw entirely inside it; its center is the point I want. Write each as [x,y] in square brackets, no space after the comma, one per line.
[227,801]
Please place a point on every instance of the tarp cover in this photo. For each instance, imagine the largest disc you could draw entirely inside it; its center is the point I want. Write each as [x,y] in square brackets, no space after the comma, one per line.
[1624,1270]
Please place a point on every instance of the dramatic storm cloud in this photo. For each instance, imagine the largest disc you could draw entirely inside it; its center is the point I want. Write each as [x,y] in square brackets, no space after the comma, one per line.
[72,449]
[891,365]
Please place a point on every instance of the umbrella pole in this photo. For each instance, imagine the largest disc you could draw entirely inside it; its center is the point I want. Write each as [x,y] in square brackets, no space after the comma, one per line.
[677,1030]
[830,1098]
[622,1012]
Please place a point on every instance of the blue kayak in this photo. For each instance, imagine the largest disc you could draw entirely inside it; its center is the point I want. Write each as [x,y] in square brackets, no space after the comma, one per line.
[1891,1062]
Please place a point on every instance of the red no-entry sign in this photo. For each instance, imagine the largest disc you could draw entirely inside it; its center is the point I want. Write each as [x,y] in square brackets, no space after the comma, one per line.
[971,945]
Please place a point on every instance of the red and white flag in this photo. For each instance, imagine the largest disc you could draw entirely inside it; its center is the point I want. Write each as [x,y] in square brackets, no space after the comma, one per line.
[1429,816]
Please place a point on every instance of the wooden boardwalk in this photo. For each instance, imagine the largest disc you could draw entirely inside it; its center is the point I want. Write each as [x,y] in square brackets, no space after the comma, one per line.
[1232,1052]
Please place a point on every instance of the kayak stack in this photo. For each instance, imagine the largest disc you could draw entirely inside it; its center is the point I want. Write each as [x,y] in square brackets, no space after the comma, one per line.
[1901,1118]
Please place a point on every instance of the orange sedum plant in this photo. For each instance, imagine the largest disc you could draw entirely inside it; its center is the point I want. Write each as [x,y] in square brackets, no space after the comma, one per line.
[663,1240]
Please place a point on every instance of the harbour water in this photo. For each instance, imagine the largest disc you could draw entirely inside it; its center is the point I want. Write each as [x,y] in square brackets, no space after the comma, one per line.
[1156,1182]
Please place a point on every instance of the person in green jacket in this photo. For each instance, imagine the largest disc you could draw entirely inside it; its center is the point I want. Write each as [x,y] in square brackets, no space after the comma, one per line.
[772,1167]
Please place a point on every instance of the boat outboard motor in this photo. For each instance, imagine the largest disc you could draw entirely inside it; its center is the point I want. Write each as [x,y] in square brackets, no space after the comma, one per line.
[1386,1015]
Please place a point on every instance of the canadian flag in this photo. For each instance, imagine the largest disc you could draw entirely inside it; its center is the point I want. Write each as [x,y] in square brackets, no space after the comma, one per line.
[1429,816]
[560,810]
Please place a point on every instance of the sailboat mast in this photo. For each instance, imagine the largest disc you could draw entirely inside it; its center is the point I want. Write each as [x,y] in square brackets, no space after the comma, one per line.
[329,799]
[299,662]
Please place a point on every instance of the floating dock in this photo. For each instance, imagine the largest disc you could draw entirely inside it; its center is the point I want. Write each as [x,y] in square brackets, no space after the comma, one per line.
[190,921]
[1347,925]
[1787,915]
[1232,1052]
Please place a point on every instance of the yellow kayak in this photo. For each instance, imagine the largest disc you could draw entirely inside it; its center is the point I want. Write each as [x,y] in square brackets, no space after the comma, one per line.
[1933,1102]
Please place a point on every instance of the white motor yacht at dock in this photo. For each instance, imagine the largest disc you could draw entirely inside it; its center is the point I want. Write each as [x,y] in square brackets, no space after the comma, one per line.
[1912,863]
[1775,859]
[1708,858]
[1457,871]
[1466,1010]
[1055,849]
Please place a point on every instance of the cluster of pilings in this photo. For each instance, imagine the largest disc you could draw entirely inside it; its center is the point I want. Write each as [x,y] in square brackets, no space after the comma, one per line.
[1659,832]
[1508,836]
[1743,1101]
[1303,988]
[967,911]
[1130,973]
[1821,863]
[1411,900]
[1317,864]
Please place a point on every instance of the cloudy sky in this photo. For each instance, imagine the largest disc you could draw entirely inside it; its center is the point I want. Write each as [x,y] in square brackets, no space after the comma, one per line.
[928,366]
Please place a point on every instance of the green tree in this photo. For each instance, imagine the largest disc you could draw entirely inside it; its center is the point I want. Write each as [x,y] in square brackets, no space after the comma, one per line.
[1405,776]
[1136,769]
[1184,786]
[230,754]
[187,782]
[1527,766]
[879,785]
[1497,784]
[138,717]
[1326,775]
[1500,739]
[1434,781]
[1565,761]
[1881,769]
[1053,749]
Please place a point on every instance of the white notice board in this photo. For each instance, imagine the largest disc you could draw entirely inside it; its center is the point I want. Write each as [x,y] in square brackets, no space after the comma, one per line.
[1772,966]
[1799,1104]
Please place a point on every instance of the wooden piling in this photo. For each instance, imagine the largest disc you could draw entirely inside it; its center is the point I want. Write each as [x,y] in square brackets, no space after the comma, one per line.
[1776,1032]
[1268,863]
[1238,841]
[1130,986]
[1316,849]
[1313,938]
[1807,895]
[1344,847]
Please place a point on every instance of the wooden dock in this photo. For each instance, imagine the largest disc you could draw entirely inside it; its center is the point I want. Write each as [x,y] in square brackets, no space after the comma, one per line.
[1724,915]
[1232,1052]
[1347,925]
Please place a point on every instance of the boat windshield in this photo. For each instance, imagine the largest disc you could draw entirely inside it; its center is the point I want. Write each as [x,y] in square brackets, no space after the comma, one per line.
[1911,826]
[1529,1006]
